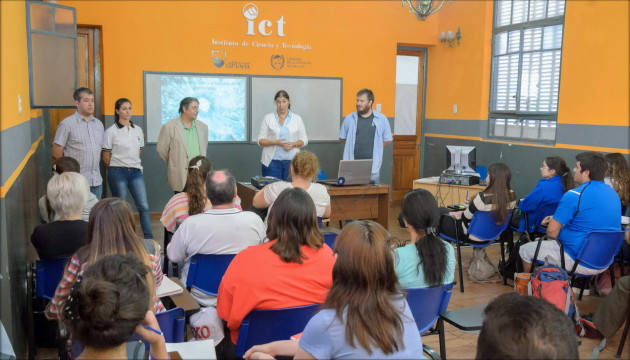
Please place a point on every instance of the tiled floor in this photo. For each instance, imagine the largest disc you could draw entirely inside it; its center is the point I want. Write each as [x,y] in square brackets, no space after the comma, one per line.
[462,345]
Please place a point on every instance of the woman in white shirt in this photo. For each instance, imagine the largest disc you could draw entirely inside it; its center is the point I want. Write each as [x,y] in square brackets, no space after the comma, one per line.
[121,153]
[304,167]
[281,135]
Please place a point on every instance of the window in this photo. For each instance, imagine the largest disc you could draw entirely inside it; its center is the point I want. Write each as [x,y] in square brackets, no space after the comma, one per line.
[52,49]
[526,57]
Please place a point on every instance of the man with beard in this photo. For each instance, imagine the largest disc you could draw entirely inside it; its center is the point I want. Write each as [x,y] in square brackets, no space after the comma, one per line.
[365,133]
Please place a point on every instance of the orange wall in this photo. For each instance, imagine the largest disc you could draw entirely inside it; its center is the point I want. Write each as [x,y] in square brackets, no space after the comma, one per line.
[595,64]
[353,40]
[461,75]
[14,64]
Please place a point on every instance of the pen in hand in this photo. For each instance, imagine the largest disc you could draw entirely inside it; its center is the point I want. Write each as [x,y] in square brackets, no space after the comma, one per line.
[152,329]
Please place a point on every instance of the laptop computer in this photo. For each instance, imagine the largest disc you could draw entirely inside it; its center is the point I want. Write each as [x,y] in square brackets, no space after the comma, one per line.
[353,172]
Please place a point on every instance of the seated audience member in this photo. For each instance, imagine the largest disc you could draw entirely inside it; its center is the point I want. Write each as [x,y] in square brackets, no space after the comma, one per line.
[304,167]
[525,327]
[46,213]
[67,194]
[109,304]
[593,206]
[618,177]
[556,180]
[365,315]
[613,311]
[219,230]
[111,230]
[496,198]
[193,200]
[293,269]
[425,259]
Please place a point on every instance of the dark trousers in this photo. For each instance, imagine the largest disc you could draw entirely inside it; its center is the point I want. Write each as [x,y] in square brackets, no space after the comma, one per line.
[450,228]
[278,169]
[613,311]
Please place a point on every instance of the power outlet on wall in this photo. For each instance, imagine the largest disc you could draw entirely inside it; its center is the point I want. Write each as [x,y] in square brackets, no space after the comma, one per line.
[454,108]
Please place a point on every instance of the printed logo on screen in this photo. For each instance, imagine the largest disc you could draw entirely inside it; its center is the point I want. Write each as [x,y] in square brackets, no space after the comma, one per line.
[265,27]
[277,62]
[218,58]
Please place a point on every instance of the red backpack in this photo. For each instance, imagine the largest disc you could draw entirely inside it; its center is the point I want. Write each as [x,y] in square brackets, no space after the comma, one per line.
[551,283]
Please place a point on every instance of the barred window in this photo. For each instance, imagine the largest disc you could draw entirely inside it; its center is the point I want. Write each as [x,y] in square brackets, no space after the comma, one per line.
[526,58]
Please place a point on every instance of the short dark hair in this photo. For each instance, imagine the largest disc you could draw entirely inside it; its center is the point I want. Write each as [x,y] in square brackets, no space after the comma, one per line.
[185,103]
[220,192]
[526,327]
[595,163]
[67,163]
[292,223]
[82,90]
[111,300]
[368,92]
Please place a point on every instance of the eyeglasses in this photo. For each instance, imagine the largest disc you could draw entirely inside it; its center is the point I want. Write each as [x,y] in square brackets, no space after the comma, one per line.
[544,167]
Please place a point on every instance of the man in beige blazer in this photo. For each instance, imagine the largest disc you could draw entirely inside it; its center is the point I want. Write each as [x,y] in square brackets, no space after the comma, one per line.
[180,140]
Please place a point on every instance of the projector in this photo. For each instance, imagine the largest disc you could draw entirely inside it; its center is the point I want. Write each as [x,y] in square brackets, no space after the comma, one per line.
[259,182]
[458,179]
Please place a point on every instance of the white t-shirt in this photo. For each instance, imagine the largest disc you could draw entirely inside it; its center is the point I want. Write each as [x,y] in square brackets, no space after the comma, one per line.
[125,143]
[318,193]
[216,231]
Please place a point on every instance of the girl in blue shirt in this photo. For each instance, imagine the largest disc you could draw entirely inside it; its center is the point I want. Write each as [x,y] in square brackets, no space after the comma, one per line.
[556,180]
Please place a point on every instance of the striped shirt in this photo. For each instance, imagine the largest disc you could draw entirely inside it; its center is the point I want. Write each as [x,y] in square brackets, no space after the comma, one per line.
[76,268]
[176,210]
[81,139]
[482,202]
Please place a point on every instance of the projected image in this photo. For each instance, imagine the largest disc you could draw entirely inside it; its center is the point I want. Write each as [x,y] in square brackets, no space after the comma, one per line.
[222,103]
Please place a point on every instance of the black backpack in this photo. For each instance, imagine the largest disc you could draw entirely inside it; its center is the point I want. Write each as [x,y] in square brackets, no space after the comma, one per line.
[513,263]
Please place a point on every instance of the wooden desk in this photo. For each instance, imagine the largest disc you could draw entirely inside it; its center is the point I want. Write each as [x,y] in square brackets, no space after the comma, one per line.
[347,202]
[184,300]
[448,194]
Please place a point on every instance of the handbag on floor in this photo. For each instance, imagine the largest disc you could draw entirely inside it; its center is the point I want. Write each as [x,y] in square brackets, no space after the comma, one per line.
[481,268]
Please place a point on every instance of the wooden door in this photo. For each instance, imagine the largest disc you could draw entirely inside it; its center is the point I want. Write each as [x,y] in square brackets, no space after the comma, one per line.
[406,167]
[88,74]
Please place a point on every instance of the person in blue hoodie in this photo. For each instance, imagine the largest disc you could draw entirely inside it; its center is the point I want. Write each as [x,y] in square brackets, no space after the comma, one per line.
[556,180]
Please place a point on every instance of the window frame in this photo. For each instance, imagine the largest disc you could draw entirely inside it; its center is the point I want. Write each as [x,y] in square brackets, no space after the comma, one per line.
[520,116]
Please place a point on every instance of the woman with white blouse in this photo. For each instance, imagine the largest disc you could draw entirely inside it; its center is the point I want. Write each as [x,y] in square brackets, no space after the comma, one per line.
[281,135]
[121,153]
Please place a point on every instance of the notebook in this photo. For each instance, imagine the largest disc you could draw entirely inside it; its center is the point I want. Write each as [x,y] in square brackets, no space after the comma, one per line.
[168,287]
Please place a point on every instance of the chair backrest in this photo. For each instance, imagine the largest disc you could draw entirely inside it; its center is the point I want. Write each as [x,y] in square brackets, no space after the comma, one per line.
[428,303]
[599,249]
[483,225]
[329,239]
[48,273]
[172,323]
[205,272]
[263,326]
[542,212]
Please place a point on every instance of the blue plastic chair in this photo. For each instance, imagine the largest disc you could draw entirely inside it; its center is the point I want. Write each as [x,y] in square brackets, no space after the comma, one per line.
[172,323]
[263,326]
[533,221]
[597,252]
[48,273]
[482,171]
[205,272]
[426,306]
[483,226]
[329,239]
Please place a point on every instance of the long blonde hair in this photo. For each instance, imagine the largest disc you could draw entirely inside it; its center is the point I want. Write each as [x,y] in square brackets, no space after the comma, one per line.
[111,230]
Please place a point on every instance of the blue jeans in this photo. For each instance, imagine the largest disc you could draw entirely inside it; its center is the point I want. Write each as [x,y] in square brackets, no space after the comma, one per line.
[97,191]
[121,178]
[277,168]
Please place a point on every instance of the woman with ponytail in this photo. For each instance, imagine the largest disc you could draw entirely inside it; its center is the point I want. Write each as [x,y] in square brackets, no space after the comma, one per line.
[425,259]
[193,200]
[556,180]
